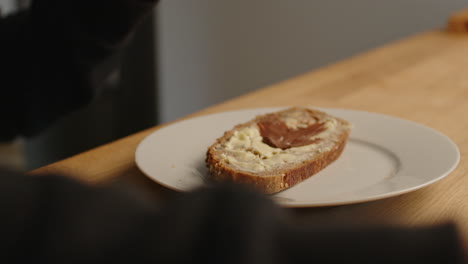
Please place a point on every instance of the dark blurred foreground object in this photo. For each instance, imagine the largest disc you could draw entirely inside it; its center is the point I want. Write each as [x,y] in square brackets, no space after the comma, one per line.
[60,56]
[52,219]
[458,22]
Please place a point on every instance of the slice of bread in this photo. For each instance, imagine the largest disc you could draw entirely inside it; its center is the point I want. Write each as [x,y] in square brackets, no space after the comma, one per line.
[276,151]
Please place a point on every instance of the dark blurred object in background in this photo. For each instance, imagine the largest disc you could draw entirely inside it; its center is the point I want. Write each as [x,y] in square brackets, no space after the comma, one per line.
[127,105]
[75,75]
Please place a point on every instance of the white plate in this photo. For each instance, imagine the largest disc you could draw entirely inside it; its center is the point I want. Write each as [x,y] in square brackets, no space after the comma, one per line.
[385,156]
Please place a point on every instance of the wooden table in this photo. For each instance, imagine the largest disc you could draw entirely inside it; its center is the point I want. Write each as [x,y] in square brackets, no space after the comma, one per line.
[423,78]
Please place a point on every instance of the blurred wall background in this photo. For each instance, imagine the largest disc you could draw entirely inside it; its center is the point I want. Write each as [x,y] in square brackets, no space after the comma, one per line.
[212,50]
[6,6]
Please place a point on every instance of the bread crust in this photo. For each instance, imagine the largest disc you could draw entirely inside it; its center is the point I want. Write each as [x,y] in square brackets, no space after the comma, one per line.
[277,181]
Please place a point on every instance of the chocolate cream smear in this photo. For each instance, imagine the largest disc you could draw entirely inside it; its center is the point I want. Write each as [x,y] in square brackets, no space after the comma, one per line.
[276,133]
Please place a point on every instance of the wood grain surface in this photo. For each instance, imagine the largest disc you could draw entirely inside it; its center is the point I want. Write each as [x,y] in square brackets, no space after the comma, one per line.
[423,78]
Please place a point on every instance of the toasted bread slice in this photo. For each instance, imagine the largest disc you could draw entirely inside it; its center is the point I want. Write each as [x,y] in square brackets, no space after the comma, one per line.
[276,151]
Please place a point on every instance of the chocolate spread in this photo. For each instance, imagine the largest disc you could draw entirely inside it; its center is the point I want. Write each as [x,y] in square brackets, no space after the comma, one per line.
[277,134]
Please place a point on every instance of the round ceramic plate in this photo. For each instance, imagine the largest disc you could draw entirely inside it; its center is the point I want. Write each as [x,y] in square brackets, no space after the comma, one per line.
[385,156]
